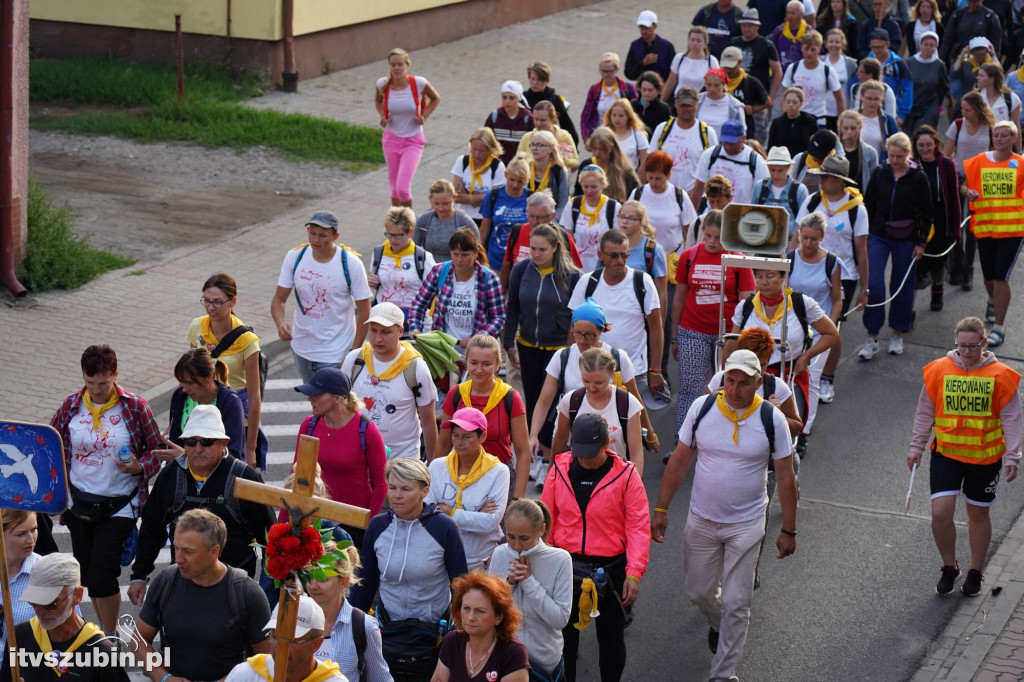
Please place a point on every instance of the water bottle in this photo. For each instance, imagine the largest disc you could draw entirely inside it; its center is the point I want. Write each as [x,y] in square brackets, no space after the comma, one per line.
[124,455]
[600,580]
[442,626]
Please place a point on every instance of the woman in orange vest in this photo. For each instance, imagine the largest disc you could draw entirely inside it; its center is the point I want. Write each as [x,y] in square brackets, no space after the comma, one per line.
[971,400]
[995,190]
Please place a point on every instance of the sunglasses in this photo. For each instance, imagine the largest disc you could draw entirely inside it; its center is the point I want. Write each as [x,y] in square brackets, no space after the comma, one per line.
[192,442]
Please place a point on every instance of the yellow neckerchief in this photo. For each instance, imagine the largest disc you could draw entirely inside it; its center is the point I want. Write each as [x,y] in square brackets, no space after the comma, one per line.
[977,65]
[733,416]
[409,250]
[799,34]
[613,91]
[497,394]
[484,463]
[813,162]
[240,344]
[544,272]
[97,411]
[596,215]
[404,360]
[1020,72]
[759,308]
[587,604]
[199,479]
[325,670]
[43,640]
[544,180]
[476,181]
[850,203]
[735,82]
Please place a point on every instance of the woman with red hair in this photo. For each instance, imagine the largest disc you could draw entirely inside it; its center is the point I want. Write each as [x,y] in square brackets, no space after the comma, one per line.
[484,642]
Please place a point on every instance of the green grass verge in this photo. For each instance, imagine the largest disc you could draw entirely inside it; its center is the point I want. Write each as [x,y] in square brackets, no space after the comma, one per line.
[210,115]
[56,258]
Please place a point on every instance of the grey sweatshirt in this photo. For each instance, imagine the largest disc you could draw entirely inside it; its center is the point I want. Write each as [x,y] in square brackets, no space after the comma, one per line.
[1010,416]
[545,599]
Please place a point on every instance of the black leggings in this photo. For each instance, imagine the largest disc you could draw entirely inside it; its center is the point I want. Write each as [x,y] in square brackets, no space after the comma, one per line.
[534,364]
[610,625]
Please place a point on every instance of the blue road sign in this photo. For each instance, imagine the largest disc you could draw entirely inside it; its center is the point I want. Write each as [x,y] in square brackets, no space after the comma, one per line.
[32,472]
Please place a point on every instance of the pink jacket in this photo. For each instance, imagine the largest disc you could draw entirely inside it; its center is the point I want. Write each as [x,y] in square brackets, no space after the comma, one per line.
[617,518]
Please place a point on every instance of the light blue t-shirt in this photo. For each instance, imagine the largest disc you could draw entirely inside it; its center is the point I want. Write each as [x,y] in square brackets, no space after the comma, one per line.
[637,262]
[506,213]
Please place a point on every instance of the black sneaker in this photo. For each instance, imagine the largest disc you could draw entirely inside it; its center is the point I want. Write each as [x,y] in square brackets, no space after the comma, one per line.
[950,574]
[713,640]
[801,445]
[972,583]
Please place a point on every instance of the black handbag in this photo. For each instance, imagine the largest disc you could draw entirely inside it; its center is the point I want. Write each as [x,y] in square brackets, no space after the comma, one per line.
[410,646]
[96,508]
[900,229]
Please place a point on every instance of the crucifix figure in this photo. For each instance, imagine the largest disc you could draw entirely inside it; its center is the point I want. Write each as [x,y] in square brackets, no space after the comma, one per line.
[302,506]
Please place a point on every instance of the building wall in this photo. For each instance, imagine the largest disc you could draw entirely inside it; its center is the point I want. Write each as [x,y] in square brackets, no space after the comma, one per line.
[20,169]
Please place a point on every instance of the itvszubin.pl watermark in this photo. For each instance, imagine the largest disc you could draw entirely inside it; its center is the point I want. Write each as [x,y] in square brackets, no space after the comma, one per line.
[123,655]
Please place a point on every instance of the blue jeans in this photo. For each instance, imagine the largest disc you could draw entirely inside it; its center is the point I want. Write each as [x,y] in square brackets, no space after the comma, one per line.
[307,368]
[901,309]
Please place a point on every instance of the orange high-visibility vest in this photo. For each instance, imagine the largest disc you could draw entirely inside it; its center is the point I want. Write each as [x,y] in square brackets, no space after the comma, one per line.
[999,211]
[967,408]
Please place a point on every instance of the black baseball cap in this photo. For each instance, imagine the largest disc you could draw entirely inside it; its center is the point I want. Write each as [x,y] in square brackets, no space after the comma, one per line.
[589,435]
[327,380]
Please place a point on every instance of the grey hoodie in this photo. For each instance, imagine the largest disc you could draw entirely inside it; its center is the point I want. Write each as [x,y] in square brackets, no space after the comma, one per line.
[412,563]
[545,599]
[1010,416]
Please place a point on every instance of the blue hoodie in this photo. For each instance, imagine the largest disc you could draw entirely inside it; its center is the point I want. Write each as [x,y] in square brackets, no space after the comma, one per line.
[897,75]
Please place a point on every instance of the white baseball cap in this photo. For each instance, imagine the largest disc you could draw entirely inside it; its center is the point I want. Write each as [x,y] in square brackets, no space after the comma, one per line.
[387,315]
[745,361]
[647,18]
[311,617]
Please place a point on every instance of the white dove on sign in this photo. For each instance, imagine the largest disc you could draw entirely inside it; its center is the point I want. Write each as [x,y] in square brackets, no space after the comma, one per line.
[22,465]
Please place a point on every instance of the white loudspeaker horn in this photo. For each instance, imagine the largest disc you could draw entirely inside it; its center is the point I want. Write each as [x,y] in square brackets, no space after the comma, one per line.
[751,229]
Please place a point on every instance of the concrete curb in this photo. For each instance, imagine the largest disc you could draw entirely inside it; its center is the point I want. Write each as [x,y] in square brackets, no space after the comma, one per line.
[959,652]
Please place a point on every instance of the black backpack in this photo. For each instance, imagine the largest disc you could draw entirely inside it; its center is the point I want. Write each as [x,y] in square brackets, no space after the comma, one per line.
[798,308]
[236,579]
[830,264]
[419,258]
[621,409]
[563,362]
[609,210]
[230,503]
[767,419]
[750,163]
[359,639]
[666,130]
[762,196]
[230,338]
[638,287]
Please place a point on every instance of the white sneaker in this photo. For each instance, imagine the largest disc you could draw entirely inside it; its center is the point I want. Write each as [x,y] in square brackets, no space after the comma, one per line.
[542,473]
[896,345]
[869,350]
[534,466]
[827,392]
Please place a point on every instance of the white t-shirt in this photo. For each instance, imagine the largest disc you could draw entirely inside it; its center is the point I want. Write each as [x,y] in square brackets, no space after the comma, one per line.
[794,335]
[573,379]
[634,143]
[685,147]
[587,236]
[402,107]
[461,309]
[998,106]
[691,71]
[606,100]
[390,403]
[399,284]
[485,183]
[888,100]
[736,169]
[666,217]
[94,456]
[716,112]
[816,86]
[839,69]
[920,29]
[617,439]
[622,310]
[782,389]
[325,333]
[729,480]
[871,132]
[839,238]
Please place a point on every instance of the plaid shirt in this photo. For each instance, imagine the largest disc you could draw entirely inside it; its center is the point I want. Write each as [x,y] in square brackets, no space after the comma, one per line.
[589,120]
[489,318]
[141,424]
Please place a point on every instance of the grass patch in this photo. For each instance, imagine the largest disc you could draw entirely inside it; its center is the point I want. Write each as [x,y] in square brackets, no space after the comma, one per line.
[210,115]
[57,258]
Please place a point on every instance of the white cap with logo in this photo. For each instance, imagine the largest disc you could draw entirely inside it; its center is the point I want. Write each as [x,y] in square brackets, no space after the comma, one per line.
[311,617]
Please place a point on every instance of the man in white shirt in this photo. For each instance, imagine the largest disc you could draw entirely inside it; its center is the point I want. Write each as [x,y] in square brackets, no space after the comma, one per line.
[736,432]
[327,280]
[735,161]
[394,383]
[630,303]
[816,78]
[684,138]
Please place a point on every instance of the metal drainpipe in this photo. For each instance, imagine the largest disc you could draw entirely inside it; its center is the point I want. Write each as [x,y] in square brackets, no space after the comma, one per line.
[7,85]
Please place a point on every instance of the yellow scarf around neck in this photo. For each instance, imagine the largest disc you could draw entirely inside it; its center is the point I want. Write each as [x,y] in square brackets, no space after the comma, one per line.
[409,250]
[497,394]
[404,360]
[733,416]
[977,65]
[544,180]
[734,83]
[787,304]
[484,463]
[98,410]
[43,640]
[813,162]
[799,34]
[855,199]
[594,216]
[325,670]
[476,182]
[587,604]
[1020,72]
[240,344]
[613,91]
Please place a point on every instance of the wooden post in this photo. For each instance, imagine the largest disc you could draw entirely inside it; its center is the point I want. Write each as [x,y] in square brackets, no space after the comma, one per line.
[180,48]
[302,505]
[8,606]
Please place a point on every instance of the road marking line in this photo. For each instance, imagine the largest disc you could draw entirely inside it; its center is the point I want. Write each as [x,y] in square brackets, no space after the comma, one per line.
[282,383]
[281,429]
[276,406]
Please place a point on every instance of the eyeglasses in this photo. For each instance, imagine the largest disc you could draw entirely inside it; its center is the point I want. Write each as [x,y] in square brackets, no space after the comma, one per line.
[608,72]
[192,442]
[304,640]
[55,605]
[628,219]
[394,235]
[586,336]
[539,145]
[216,305]
[967,346]
[616,256]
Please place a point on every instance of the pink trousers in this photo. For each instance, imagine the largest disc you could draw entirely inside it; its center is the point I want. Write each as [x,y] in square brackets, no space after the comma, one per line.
[402,156]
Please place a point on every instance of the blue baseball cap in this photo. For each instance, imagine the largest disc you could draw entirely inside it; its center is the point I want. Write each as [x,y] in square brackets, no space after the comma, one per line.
[327,380]
[732,131]
[590,311]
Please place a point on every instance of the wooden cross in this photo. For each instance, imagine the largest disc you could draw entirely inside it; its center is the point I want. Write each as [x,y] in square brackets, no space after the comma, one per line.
[302,505]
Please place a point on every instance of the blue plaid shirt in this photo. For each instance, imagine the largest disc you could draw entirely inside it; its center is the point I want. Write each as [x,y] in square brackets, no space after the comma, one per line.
[490,309]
